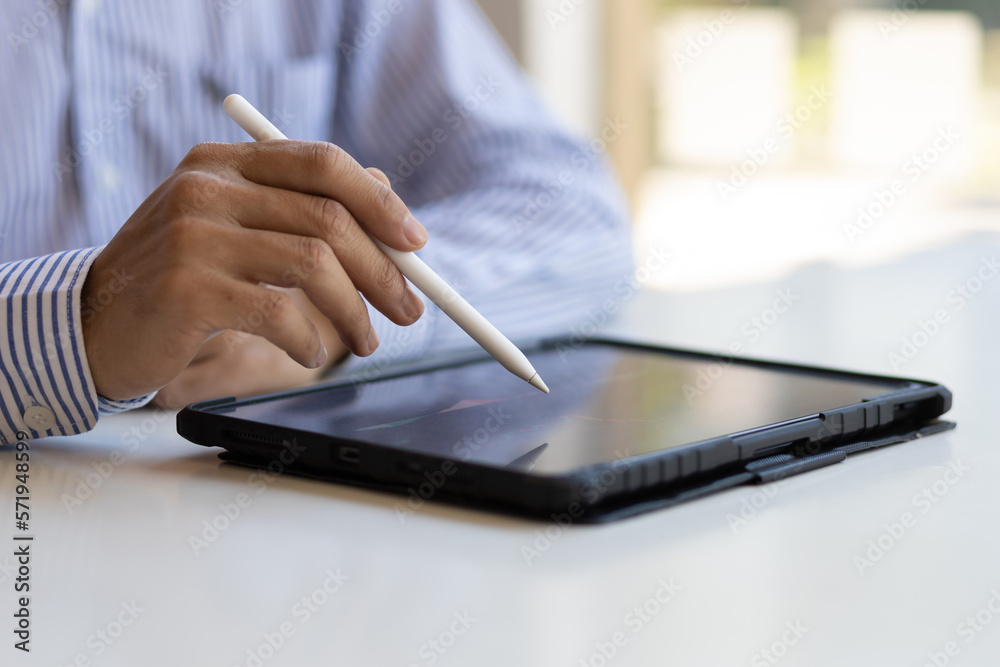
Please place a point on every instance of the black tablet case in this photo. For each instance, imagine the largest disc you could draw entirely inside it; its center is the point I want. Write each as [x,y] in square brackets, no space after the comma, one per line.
[644,485]
[759,471]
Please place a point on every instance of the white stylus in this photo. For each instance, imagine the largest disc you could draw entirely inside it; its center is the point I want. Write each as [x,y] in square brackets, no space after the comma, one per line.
[411,266]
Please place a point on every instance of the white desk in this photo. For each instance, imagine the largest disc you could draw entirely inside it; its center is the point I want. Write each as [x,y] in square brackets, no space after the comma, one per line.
[793,562]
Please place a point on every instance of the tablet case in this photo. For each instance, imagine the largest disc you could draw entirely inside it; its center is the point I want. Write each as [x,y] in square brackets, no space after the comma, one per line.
[647,483]
[759,471]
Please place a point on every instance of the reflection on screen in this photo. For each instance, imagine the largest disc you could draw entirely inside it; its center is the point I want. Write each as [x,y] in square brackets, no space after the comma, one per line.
[605,402]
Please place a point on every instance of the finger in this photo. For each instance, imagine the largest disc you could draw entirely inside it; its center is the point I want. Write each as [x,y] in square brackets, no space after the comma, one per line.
[179,393]
[326,170]
[210,349]
[415,303]
[251,309]
[296,215]
[252,370]
[286,260]
[380,175]
[203,383]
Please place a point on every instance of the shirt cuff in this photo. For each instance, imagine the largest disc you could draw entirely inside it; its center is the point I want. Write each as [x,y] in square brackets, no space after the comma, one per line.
[106,406]
[46,387]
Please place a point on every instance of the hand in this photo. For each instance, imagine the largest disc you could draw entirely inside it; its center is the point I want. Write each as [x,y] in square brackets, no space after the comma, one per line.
[200,254]
[239,364]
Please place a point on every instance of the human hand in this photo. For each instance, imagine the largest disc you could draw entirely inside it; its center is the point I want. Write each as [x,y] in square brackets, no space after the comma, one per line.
[200,253]
[236,363]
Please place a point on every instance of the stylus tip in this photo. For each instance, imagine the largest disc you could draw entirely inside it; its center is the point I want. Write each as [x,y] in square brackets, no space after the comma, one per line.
[536,382]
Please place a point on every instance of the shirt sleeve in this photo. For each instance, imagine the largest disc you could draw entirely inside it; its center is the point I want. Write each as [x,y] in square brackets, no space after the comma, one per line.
[45,383]
[525,221]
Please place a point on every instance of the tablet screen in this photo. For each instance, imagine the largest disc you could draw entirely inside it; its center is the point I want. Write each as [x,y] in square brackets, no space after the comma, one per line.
[606,403]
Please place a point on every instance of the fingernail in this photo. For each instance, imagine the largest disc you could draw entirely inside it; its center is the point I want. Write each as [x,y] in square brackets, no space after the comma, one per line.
[413,306]
[372,340]
[414,231]
[322,357]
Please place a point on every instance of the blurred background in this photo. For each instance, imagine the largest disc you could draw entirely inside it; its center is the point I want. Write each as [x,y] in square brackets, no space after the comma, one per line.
[754,137]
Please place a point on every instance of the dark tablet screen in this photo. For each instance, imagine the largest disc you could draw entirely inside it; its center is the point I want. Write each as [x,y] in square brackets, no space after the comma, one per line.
[606,402]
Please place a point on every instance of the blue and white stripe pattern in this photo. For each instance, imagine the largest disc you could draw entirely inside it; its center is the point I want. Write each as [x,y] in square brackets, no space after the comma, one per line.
[101,100]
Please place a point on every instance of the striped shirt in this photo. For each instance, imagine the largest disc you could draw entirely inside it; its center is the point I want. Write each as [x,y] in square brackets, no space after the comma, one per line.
[101,100]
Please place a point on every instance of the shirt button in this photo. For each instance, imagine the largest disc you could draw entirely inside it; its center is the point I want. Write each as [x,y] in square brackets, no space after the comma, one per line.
[39,418]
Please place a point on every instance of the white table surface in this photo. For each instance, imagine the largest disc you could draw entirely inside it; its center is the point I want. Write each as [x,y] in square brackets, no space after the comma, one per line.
[737,589]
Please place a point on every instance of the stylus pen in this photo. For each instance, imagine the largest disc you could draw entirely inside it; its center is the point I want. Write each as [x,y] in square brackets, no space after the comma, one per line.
[423,278]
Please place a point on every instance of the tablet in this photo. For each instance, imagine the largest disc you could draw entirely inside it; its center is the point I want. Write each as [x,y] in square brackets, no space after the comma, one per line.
[626,427]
